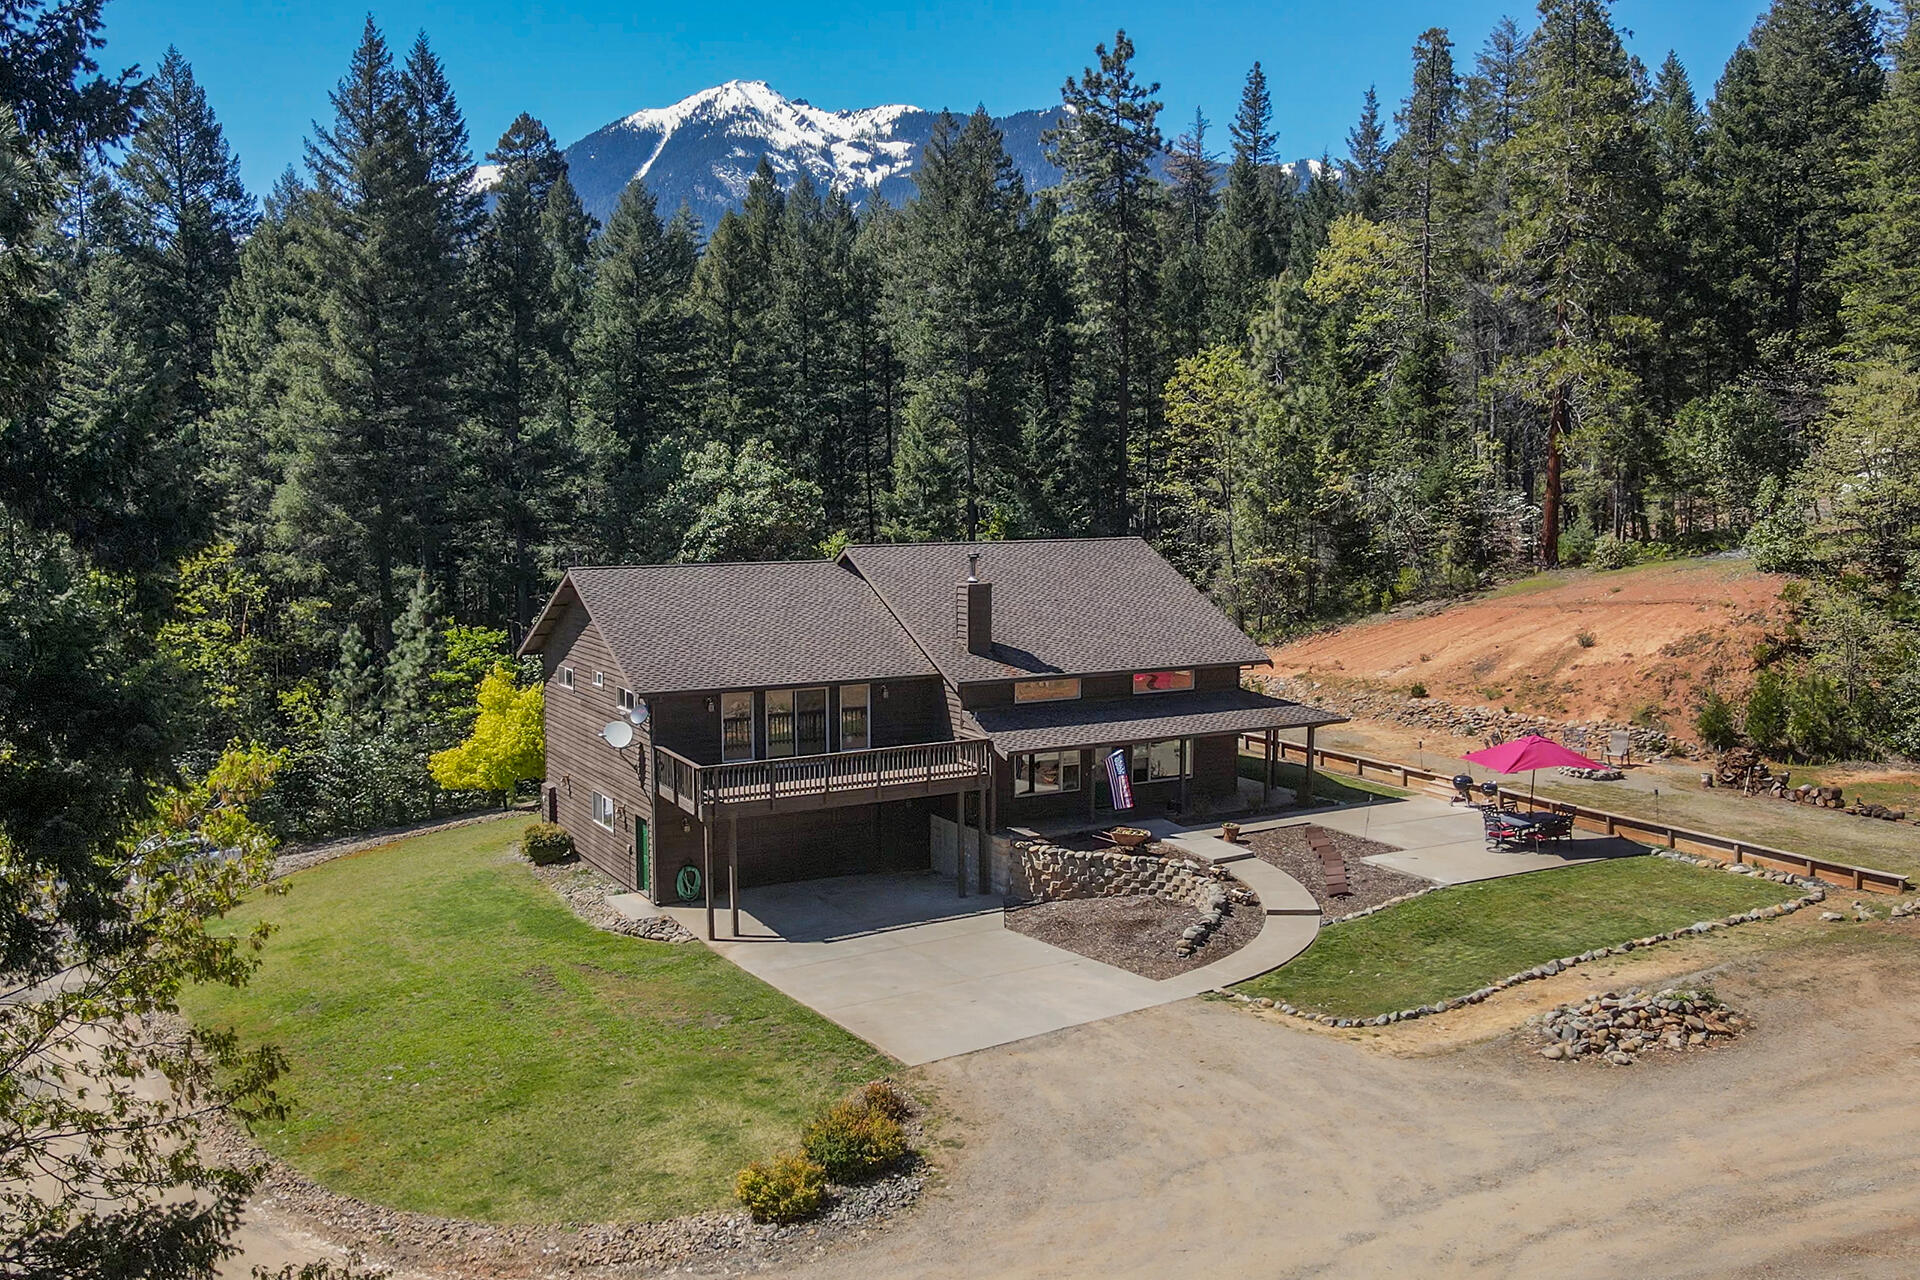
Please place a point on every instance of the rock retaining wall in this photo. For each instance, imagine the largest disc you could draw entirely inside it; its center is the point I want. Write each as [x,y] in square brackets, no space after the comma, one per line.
[1049,873]
[1590,736]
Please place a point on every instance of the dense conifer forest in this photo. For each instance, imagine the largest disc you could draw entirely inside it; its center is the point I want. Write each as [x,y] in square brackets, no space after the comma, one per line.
[298,470]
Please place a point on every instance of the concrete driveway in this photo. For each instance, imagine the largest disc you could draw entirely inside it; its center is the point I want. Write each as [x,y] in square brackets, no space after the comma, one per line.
[922,974]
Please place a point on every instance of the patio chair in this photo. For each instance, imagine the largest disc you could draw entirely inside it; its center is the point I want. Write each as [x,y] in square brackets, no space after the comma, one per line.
[1553,826]
[1502,833]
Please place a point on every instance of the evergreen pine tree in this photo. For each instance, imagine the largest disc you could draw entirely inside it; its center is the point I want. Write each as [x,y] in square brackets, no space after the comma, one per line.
[1103,147]
[188,215]
[960,312]
[1883,269]
[1366,166]
[1785,136]
[1245,243]
[1191,207]
[1423,171]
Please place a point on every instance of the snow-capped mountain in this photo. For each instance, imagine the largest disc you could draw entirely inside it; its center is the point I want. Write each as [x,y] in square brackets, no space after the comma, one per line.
[702,150]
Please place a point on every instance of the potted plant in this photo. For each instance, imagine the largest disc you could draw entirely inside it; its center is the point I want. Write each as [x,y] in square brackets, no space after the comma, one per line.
[1230,832]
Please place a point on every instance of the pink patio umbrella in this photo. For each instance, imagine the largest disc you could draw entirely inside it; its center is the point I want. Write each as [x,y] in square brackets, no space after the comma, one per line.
[1528,754]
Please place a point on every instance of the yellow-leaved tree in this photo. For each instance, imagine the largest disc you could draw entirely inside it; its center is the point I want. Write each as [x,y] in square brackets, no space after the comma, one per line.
[508,742]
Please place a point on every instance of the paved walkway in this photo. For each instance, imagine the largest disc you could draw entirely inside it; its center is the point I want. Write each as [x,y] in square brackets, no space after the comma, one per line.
[923,974]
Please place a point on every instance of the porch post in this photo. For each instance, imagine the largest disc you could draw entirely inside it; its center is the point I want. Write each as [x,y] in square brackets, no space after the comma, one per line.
[733,869]
[1185,771]
[960,842]
[1090,764]
[988,805]
[1266,786]
[1304,796]
[980,874]
[706,869]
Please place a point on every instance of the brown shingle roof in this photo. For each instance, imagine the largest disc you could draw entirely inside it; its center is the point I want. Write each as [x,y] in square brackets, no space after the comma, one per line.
[682,627]
[1048,726]
[1078,606]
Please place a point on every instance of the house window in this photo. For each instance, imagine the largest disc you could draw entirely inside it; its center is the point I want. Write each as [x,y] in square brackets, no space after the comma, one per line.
[796,722]
[566,677]
[1046,773]
[1156,761]
[736,726]
[627,700]
[1161,681]
[599,679]
[854,733]
[1059,690]
[602,811]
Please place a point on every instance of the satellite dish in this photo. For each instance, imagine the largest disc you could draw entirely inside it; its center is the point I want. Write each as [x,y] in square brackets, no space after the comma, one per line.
[618,733]
[638,714]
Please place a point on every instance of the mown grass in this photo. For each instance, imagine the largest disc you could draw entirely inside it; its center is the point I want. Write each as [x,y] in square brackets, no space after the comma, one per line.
[461,1044]
[1338,789]
[1457,940]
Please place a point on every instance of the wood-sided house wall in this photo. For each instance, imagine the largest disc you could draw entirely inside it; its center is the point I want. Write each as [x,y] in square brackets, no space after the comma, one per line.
[579,760]
[1215,759]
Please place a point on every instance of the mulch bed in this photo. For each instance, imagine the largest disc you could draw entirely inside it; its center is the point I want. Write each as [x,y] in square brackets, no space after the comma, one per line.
[1136,933]
[1286,848]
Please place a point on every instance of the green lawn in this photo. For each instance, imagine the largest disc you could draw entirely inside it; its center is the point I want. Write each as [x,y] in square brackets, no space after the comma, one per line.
[1457,940]
[461,1044]
[1337,788]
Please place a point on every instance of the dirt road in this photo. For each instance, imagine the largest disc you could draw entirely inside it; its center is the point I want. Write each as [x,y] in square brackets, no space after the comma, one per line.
[1195,1139]
[1200,1139]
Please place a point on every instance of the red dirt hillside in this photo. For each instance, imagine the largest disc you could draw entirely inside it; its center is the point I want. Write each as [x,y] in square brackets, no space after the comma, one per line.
[1659,635]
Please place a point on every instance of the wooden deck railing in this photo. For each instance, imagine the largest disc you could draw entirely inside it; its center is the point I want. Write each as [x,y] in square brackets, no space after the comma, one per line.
[1639,830]
[703,788]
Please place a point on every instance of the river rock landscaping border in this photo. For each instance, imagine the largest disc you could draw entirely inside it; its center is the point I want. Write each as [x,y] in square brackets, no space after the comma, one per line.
[400,1238]
[584,889]
[1815,894]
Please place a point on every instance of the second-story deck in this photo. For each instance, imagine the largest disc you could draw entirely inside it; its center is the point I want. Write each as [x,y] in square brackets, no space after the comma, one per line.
[794,783]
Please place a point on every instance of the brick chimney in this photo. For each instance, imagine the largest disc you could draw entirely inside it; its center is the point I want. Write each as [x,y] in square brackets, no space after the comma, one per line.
[974,610]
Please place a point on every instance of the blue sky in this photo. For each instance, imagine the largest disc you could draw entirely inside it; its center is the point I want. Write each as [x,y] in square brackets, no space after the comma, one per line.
[267,64]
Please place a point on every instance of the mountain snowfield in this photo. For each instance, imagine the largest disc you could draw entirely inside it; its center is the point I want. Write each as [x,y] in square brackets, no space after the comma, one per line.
[702,150]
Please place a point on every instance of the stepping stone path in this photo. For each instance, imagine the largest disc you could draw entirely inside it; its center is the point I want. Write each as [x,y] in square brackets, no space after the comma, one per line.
[1332,866]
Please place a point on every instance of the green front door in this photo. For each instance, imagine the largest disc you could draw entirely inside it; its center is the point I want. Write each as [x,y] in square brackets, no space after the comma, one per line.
[642,863]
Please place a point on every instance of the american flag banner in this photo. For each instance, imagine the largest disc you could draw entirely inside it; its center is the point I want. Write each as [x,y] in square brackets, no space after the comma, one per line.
[1119,781]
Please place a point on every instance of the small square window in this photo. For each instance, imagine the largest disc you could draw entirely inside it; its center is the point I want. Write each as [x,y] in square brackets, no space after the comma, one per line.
[599,679]
[566,677]
[602,811]
[627,700]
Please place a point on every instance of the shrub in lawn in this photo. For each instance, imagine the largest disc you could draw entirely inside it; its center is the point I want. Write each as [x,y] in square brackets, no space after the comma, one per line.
[785,1189]
[546,843]
[882,1097]
[852,1141]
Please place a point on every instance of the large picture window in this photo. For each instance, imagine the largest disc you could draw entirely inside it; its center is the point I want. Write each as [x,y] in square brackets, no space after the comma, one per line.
[1046,773]
[1058,690]
[1162,681]
[736,726]
[1159,761]
[855,735]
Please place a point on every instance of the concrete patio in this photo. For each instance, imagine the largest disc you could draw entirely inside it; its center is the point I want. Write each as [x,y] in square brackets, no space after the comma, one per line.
[923,974]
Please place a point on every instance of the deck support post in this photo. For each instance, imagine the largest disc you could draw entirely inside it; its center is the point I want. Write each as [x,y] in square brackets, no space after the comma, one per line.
[733,870]
[1304,796]
[706,869]
[960,842]
[983,844]
[1266,785]
[1186,772]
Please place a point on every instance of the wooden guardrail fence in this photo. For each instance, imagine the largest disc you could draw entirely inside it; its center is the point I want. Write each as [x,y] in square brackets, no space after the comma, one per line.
[1639,830]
